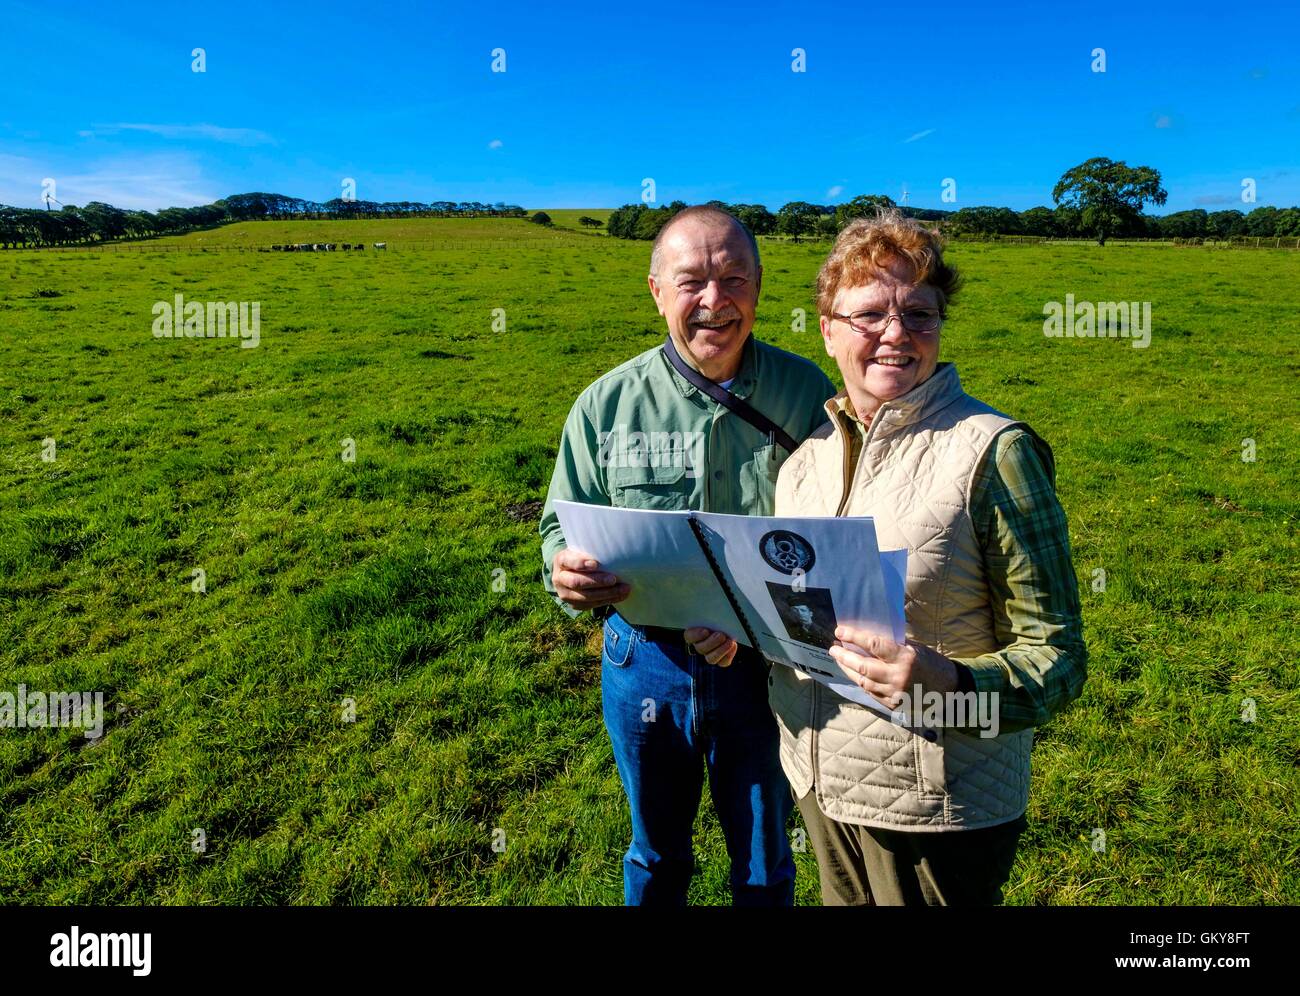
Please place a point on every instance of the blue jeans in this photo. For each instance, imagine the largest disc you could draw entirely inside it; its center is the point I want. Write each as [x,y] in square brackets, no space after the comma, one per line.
[670,715]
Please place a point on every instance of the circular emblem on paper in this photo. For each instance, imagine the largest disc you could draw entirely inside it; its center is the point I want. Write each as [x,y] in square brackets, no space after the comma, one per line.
[787,552]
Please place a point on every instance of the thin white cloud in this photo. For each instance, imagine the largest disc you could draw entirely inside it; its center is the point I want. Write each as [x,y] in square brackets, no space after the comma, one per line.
[835,191]
[919,135]
[1164,121]
[495,143]
[145,183]
[210,132]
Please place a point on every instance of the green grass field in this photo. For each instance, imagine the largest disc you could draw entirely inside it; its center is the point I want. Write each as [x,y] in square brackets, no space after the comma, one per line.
[478,710]
[481,235]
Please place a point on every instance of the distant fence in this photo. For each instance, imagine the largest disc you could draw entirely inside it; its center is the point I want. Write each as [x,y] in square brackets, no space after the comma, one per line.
[146,247]
[1240,242]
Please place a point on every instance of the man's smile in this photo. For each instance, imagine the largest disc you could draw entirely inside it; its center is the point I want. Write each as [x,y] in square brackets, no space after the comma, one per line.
[714,320]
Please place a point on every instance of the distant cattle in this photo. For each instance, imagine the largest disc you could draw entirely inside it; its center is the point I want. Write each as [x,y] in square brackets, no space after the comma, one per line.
[321,247]
[381,245]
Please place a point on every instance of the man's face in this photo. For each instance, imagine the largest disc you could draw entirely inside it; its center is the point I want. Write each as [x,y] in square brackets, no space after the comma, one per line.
[707,290]
[805,615]
[887,365]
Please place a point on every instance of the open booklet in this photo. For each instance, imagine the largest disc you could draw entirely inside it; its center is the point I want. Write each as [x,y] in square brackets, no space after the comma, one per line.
[780,585]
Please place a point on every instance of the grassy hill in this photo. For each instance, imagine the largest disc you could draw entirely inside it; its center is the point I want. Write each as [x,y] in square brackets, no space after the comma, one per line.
[568,217]
[465,233]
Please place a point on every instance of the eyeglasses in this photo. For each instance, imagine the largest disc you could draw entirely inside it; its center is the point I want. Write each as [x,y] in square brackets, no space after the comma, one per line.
[875,322]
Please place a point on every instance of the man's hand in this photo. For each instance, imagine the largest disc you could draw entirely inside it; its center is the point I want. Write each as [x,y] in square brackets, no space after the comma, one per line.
[885,669]
[716,648]
[580,583]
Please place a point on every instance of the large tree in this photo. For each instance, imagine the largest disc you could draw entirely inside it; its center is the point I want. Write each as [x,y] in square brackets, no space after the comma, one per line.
[1226,224]
[797,218]
[1262,221]
[622,221]
[1288,222]
[650,222]
[1109,194]
[106,221]
[1184,224]
[1038,221]
[985,221]
[862,206]
[755,217]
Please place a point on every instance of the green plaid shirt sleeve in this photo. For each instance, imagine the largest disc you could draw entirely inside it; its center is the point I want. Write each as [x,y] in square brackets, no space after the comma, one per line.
[1032,586]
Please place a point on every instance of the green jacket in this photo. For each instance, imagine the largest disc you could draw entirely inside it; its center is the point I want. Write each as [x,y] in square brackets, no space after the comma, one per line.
[643,437]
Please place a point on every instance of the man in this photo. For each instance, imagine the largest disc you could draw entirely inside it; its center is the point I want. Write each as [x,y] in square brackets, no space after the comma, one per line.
[647,435]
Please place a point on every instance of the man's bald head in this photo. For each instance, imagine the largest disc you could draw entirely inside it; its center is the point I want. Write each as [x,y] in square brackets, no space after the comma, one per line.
[707,216]
[705,278]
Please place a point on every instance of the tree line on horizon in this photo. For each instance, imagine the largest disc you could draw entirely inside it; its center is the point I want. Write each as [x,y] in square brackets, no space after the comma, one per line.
[100,222]
[799,219]
[1100,198]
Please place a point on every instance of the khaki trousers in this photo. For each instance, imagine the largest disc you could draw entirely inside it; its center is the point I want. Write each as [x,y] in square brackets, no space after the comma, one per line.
[866,866]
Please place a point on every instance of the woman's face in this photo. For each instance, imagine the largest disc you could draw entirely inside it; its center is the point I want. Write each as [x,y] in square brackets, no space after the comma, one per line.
[886,365]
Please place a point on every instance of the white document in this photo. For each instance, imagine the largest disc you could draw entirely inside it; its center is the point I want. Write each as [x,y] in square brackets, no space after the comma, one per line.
[656,553]
[778,584]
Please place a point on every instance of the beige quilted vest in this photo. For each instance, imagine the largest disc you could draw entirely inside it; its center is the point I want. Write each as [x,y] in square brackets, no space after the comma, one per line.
[913,477]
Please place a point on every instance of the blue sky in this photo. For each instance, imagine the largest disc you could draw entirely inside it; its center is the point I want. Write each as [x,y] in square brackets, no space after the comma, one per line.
[401,97]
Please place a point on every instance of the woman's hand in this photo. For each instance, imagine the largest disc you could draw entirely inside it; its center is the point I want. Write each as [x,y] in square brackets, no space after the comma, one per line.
[716,648]
[885,669]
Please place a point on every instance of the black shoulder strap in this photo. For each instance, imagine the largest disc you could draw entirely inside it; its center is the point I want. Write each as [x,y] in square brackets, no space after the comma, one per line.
[728,400]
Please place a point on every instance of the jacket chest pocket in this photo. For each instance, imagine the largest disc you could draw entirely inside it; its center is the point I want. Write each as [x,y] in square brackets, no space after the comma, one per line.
[758,479]
[667,488]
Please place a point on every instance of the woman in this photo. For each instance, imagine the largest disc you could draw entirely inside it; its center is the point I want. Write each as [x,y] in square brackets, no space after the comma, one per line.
[918,812]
